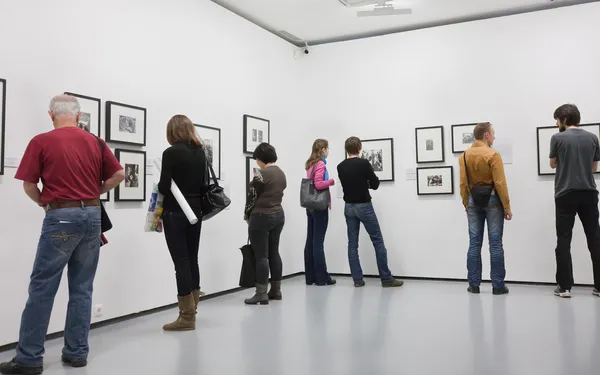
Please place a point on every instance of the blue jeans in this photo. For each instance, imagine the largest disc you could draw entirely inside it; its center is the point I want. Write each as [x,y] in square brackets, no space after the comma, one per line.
[364,213]
[315,265]
[70,237]
[494,215]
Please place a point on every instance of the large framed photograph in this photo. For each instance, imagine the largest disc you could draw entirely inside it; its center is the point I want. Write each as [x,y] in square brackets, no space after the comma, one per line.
[211,141]
[380,153]
[251,171]
[90,113]
[429,144]
[133,188]
[125,124]
[435,180]
[256,131]
[544,134]
[2,122]
[462,137]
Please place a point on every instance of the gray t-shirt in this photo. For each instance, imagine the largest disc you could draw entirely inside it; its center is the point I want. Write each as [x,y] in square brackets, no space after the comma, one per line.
[575,150]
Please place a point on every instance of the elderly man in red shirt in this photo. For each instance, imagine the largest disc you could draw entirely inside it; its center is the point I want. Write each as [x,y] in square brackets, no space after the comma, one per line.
[75,168]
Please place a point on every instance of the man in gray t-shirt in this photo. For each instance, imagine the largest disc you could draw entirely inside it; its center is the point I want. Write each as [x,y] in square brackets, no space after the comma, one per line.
[574,153]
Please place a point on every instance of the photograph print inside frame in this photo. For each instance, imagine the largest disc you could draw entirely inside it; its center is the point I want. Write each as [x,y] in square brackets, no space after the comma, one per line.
[2,122]
[256,131]
[430,144]
[462,137]
[252,170]
[90,113]
[125,124]
[211,141]
[133,188]
[380,153]
[435,180]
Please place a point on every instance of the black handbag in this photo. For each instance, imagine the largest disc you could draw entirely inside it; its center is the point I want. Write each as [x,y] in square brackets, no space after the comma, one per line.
[310,197]
[248,271]
[105,222]
[214,200]
[481,193]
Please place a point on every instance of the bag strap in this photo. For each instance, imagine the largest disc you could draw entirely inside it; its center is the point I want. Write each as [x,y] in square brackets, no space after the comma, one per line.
[314,169]
[467,170]
[101,144]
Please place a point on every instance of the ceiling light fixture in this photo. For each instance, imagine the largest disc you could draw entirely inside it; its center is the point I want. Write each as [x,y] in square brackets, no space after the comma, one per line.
[382,8]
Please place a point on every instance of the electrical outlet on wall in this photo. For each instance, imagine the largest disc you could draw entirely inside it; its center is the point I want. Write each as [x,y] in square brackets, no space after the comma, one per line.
[98,310]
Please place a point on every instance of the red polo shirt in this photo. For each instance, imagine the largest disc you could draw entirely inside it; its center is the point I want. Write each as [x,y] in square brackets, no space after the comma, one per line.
[68,161]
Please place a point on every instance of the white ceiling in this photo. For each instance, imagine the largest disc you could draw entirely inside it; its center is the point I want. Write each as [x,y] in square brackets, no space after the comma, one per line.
[323,21]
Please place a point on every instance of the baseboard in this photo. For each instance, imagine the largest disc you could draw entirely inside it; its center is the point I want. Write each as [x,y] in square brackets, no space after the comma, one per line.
[513,282]
[120,319]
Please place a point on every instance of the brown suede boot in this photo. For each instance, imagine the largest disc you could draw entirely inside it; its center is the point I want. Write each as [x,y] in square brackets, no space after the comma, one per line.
[187,315]
[275,292]
[196,294]
[260,297]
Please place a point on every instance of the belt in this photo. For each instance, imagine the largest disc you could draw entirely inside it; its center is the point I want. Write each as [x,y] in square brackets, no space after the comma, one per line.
[72,204]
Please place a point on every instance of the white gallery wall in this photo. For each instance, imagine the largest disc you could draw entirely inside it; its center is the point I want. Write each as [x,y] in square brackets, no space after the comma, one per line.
[192,57]
[511,71]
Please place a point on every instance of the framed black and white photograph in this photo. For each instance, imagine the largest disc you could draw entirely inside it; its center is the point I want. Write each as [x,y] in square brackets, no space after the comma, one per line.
[462,137]
[105,197]
[125,124]
[211,141]
[380,153]
[2,122]
[544,134]
[256,131]
[429,143]
[435,180]
[90,113]
[133,188]
[252,170]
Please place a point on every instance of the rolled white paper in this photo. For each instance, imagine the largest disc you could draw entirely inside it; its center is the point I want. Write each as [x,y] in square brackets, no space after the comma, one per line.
[183,203]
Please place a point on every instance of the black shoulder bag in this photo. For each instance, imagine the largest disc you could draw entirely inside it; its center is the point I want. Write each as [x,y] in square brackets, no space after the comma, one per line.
[310,197]
[481,193]
[214,200]
[105,222]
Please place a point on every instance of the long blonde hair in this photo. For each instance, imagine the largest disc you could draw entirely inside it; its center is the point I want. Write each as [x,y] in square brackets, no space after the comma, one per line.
[181,129]
[317,152]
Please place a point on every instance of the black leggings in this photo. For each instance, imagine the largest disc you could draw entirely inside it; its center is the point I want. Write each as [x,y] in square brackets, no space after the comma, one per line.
[265,231]
[183,240]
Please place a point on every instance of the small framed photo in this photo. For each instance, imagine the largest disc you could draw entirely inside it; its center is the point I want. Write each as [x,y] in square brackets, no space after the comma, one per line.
[256,131]
[133,188]
[90,113]
[2,122]
[435,180]
[429,144]
[462,137]
[125,124]
[251,171]
[544,134]
[380,153]
[211,141]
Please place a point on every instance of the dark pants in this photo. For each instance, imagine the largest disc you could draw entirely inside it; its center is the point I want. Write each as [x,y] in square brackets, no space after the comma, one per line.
[265,231]
[364,213]
[585,205]
[315,266]
[183,240]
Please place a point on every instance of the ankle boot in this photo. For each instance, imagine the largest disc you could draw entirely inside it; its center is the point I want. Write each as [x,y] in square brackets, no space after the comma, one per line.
[196,294]
[187,315]
[275,292]
[260,297]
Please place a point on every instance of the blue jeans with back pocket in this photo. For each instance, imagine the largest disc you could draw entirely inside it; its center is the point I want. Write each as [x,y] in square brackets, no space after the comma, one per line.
[70,238]
[493,214]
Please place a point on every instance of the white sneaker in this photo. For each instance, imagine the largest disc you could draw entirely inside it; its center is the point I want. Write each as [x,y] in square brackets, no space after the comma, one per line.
[562,293]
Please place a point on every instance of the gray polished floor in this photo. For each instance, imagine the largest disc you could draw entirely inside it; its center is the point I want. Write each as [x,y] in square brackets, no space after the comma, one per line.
[423,328]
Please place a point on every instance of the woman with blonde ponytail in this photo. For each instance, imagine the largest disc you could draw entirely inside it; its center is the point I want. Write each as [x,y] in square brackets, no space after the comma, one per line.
[315,265]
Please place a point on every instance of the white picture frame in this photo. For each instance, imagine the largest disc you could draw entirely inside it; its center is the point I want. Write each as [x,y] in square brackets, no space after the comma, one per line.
[133,188]
[435,180]
[256,131]
[429,144]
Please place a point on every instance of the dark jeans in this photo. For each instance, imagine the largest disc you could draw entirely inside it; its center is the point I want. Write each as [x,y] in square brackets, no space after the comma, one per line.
[584,204]
[265,231]
[315,266]
[364,213]
[183,240]
[70,237]
[493,214]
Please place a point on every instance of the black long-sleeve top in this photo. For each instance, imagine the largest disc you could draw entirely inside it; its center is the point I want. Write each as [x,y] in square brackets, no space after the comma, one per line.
[357,177]
[184,163]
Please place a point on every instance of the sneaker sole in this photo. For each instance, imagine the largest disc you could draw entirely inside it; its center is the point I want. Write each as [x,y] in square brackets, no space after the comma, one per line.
[563,295]
[597,294]
[392,286]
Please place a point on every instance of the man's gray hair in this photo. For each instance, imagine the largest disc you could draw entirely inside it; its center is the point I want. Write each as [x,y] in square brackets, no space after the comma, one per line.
[65,105]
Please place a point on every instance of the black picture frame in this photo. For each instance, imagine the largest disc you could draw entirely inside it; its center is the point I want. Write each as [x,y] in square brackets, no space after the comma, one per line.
[452,131]
[219,154]
[419,190]
[99,108]
[2,123]
[419,160]
[248,147]
[553,129]
[107,199]
[118,194]
[249,160]
[110,137]
[391,159]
